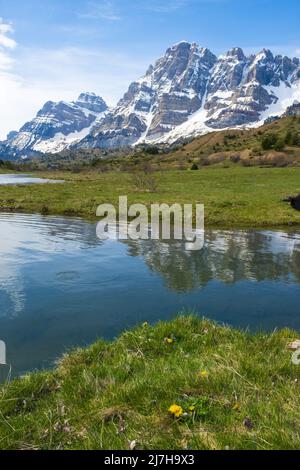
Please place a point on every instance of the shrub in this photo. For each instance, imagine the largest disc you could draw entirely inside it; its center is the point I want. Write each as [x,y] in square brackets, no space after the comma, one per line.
[268,141]
[292,139]
[280,144]
[152,150]
[235,158]
[280,161]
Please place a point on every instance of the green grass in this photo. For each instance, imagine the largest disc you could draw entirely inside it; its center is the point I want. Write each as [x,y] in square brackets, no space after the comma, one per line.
[233,197]
[111,394]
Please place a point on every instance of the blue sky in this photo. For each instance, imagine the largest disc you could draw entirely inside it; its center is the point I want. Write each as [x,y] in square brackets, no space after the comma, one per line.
[54,49]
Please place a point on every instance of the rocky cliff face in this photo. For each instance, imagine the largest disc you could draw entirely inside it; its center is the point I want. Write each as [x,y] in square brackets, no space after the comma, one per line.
[187,92]
[56,126]
[190,91]
[293,110]
[172,90]
[242,89]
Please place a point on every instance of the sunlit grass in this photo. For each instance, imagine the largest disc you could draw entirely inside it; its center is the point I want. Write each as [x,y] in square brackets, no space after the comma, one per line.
[235,196]
[212,387]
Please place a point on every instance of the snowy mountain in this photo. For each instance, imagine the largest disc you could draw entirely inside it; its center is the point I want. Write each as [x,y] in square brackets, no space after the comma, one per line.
[56,126]
[188,92]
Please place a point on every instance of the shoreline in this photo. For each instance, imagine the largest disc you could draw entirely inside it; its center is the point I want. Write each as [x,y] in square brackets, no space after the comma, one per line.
[93,219]
[228,383]
[235,198]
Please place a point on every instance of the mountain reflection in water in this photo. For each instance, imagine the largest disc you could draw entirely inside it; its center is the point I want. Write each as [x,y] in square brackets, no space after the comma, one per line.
[228,256]
[61,287]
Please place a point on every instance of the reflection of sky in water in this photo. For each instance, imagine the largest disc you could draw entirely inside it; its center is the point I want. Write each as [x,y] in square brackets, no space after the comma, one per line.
[28,239]
[60,286]
[23,179]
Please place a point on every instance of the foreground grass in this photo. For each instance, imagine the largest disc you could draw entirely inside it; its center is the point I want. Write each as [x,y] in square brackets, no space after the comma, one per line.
[235,196]
[239,391]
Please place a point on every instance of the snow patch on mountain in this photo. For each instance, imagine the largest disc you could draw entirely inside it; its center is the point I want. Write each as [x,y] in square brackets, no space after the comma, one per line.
[61,142]
[284,97]
[57,126]
[189,91]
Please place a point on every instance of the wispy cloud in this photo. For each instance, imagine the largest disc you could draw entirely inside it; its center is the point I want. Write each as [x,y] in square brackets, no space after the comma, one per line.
[165,6]
[41,74]
[103,9]
[6,30]
[6,44]
[168,6]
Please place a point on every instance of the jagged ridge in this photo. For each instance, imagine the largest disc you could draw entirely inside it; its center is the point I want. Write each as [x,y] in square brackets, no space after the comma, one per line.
[188,92]
[56,126]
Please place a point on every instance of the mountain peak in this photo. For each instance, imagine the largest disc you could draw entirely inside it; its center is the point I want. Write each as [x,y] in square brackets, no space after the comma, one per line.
[57,125]
[236,52]
[181,44]
[265,54]
[86,95]
[92,102]
[187,92]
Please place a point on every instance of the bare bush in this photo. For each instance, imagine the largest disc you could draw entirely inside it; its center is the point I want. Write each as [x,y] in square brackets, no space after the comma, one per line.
[144,178]
[235,158]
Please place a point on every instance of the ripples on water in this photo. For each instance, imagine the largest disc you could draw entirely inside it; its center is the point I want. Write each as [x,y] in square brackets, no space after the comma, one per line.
[61,287]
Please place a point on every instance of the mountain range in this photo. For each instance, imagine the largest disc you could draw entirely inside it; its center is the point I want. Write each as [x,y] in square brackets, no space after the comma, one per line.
[187,92]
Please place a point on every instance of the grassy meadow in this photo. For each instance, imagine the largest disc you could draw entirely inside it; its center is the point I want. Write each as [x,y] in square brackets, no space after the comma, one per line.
[186,384]
[233,197]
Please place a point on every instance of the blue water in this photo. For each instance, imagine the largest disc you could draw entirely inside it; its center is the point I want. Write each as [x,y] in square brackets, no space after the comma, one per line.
[13,179]
[61,287]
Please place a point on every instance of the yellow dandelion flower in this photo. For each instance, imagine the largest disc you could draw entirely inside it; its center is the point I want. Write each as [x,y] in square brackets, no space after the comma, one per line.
[176,410]
[169,340]
[203,374]
[237,407]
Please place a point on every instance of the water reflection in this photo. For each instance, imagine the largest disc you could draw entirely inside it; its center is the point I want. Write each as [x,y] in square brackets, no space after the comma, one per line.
[12,179]
[61,287]
[228,256]
[26,240]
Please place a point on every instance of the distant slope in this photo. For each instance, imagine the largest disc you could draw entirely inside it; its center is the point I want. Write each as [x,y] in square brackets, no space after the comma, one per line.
[187,92]
[277,141]
[275,144]
[55,127]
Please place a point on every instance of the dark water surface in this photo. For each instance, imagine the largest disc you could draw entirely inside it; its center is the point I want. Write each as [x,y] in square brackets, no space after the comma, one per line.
[61,287]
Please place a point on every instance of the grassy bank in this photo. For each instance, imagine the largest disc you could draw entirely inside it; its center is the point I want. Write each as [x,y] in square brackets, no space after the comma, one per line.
[235,196]
[231,390]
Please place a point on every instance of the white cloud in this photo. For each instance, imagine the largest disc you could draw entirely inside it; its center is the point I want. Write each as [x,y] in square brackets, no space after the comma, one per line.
[6,42]
[38,75]
[6,61]
[5,30]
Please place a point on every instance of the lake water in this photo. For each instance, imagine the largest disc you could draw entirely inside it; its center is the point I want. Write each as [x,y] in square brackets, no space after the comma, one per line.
[61,287]
[13,179]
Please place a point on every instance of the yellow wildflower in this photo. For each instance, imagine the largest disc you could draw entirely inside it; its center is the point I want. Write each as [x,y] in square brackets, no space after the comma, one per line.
[203,374]
[169,340]
[237,407]
[176,410]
